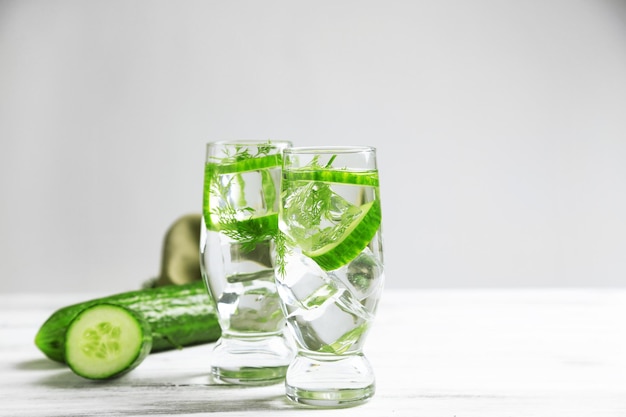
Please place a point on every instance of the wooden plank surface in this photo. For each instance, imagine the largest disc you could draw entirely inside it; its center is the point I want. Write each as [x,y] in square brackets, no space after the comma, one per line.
[435,353]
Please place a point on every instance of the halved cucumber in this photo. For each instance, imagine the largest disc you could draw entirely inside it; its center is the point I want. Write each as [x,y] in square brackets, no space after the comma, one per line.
[179,316]
[106,341]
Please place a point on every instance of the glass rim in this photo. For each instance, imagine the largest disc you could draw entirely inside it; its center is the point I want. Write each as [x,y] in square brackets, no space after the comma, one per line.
[250,142]
[330,149]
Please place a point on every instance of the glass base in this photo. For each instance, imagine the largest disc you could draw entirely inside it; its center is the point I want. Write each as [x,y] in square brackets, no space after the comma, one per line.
[329,380]
[258,360]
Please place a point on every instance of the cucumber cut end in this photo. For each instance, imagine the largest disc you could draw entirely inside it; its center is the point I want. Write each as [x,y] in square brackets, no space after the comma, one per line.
[106,340]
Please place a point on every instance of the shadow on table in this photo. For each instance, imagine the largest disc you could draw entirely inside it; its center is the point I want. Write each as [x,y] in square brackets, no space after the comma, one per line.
[186,394]
[42,364]
[275,403]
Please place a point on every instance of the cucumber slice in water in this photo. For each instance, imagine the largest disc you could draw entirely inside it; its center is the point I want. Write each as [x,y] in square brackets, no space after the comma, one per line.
[369,178]
[248,229]
[105,341]
[355,238]
[243,165]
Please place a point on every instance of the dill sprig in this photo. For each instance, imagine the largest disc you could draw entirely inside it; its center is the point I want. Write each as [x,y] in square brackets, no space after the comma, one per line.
[282,250]
[242,152]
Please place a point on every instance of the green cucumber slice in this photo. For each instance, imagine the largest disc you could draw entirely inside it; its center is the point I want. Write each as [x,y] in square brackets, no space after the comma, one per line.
[105,341]
[355,238]
[261,164]
[369,178]
[248,164]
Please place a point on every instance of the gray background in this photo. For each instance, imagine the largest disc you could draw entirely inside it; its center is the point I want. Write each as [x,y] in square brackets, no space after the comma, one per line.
[500,128]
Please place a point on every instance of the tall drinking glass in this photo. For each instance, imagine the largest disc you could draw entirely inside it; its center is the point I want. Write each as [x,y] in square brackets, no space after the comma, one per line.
[330,270]
[239,223]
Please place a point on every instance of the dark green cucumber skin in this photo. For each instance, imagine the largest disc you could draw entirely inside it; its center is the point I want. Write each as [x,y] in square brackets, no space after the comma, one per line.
[179,315]
[142,353]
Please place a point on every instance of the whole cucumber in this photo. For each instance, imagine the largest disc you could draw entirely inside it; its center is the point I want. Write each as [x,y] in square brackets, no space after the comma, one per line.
[179,315]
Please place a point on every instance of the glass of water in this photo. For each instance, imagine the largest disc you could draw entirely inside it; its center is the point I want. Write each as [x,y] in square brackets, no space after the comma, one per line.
[239,224]
[330,270]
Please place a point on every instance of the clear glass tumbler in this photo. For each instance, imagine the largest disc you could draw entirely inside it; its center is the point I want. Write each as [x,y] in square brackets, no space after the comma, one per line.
[239,223]
[330,270]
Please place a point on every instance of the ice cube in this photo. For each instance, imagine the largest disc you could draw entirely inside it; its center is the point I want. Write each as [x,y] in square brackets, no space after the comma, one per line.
[258,309]
[364,274]
[337,325]
[326,216]
[306,279]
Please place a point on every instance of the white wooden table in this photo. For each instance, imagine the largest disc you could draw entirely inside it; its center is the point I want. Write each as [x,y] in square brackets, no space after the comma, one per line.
[435,352]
